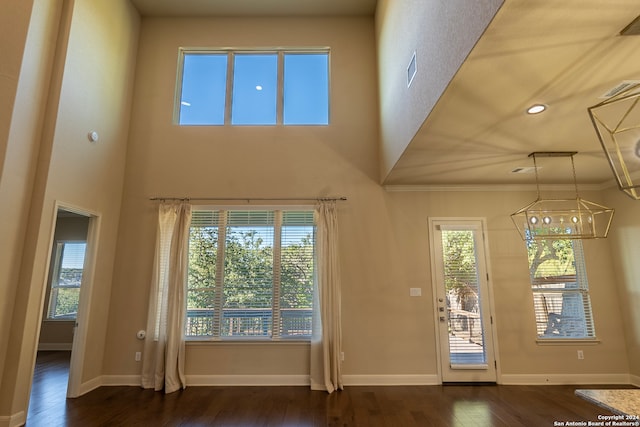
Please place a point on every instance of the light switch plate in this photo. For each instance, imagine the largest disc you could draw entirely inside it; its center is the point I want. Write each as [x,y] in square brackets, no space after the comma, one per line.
[415,292]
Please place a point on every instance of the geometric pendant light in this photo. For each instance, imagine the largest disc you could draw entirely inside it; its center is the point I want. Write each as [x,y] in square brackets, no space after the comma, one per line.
[617,123]
[571,218]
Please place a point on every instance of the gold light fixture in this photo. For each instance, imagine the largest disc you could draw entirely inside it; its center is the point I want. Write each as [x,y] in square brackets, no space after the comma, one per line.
[575,218]
[617,123]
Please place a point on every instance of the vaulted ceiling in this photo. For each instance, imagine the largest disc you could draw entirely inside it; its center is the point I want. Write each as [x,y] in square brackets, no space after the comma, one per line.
[563,54]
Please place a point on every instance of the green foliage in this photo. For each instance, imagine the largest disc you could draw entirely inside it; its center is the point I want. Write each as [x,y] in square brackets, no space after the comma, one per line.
[460,270]
[296,281]
[551,258]
[65,296]
[248,270]
[203,246]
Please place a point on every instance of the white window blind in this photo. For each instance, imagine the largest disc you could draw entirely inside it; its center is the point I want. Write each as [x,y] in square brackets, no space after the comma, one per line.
[250,274]
[560,289]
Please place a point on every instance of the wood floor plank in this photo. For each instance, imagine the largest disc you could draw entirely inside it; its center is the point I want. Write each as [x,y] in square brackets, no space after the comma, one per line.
[391,406]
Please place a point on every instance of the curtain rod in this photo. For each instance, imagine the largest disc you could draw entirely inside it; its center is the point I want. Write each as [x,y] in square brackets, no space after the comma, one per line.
[251,199]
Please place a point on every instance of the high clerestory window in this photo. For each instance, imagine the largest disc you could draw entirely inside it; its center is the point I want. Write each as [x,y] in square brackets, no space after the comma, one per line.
[266,87]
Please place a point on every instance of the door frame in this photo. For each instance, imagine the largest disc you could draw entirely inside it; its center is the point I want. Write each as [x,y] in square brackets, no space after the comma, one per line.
[78,347]
[432,221]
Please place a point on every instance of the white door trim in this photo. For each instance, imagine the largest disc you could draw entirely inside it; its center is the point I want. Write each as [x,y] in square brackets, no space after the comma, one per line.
[432,222]
[76,366]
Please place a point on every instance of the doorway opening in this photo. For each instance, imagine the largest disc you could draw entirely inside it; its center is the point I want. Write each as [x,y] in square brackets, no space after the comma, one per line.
[64,280]
[63,332]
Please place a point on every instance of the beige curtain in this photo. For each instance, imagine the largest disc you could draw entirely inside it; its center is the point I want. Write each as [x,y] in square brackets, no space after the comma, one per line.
[326,340]
[163,362]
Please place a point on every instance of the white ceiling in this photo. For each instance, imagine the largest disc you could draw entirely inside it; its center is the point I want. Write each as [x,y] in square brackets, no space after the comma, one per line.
[564,54]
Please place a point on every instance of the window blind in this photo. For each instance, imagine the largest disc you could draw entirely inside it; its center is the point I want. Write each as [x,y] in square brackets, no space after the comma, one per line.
[250,274]
[462,286]
[561,298]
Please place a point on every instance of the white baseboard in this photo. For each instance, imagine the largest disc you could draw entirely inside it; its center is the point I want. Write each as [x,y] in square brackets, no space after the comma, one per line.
[15,420]
[635,380]
[267,380]
[90,385]
[214,380]
[121,380]
[55,346]
[390,380]
[248,380]
[564,379]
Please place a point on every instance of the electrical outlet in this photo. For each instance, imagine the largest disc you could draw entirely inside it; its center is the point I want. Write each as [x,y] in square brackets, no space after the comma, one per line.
[138,356]
[580,355]
[342,356]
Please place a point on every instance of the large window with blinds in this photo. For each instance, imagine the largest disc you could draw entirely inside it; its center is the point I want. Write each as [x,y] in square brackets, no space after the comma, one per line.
[560,289]
[250,274]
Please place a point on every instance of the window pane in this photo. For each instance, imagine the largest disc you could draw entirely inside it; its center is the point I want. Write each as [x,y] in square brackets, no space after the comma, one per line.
[201,283]
[464,300]
[65,287]
[255,79]
[204,83]
[560,289]
[66,303]
[306,89]
[248,275]
[296,281]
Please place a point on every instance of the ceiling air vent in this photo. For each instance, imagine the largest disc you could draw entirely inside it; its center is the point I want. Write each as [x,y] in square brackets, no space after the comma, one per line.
[524,169]
[411,69]
[633,29]
[619,88]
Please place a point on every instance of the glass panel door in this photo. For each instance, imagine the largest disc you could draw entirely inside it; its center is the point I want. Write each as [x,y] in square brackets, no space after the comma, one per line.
[463,316]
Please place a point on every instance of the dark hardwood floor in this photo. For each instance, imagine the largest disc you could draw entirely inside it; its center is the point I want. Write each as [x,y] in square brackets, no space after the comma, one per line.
[441,406]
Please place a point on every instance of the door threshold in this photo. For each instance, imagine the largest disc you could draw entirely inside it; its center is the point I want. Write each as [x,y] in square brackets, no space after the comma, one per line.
[469,383]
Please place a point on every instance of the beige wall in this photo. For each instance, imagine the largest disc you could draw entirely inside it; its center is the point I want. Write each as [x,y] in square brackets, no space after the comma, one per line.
[384,235]
[96,48]
[442,34]
[13,35]
[521,359]
[625,244]
[251,161]
[25,72]
[90,175]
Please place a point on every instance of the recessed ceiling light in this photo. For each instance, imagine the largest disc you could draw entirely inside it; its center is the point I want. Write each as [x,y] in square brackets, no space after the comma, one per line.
[536,108]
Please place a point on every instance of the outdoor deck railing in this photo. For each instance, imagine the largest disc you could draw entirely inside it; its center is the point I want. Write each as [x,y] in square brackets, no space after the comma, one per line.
[249,322]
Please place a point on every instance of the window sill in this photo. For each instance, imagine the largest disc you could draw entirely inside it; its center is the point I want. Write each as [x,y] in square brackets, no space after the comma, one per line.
[243,342]
[568,341]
